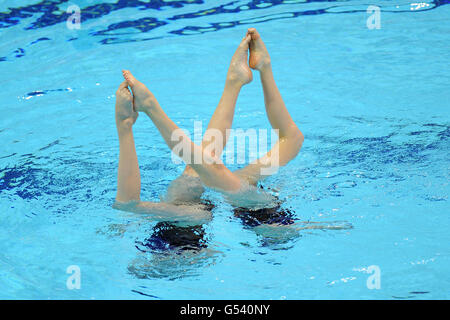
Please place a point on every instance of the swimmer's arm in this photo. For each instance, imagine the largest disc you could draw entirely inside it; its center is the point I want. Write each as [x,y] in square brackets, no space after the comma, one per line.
[161,211]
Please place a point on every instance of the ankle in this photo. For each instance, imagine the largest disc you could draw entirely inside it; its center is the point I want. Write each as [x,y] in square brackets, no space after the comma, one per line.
[265,66]
[124,126]
[233,82]
[148,105]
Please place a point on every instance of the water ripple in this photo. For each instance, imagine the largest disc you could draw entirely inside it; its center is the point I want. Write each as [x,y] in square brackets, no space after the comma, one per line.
[50,13]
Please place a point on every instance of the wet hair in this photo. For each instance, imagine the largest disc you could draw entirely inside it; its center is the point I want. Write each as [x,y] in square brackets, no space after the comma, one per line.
[274,215]
[168,236]
[255,217]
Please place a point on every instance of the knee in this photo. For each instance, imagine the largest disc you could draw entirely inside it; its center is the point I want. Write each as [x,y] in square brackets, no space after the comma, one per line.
[297,139]
[290,147]
[293,134]
[300,137]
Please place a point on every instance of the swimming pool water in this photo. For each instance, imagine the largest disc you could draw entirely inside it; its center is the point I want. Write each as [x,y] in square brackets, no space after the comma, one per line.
[374,169]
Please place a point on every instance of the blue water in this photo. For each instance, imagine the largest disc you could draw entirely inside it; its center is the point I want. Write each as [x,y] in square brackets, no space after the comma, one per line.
[372,176]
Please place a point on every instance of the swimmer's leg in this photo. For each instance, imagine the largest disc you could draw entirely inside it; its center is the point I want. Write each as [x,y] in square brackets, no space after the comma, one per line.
[211,170]
[128,177]
[290,136]
[238,75]
[277,112]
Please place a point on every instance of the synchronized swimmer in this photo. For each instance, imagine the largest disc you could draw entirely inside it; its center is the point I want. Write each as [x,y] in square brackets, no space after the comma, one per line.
[183,199]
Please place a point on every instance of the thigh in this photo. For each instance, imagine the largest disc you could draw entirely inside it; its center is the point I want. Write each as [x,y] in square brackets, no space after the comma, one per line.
[282,152]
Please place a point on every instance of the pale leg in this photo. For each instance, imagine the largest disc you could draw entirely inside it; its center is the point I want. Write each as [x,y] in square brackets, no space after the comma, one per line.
[290,136]
[238,75]
[128,177]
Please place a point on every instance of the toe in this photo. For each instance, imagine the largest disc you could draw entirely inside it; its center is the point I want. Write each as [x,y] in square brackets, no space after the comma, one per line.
[130,79]
[122,86]
[123,89]
[245,42]
[253,33]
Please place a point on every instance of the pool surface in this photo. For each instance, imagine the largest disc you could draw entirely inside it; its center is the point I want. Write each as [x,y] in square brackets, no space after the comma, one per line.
[369,188]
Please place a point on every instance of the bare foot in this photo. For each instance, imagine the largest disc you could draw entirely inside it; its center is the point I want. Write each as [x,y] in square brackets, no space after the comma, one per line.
[259,56]
[143,99]
[125,114]
[239,71]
